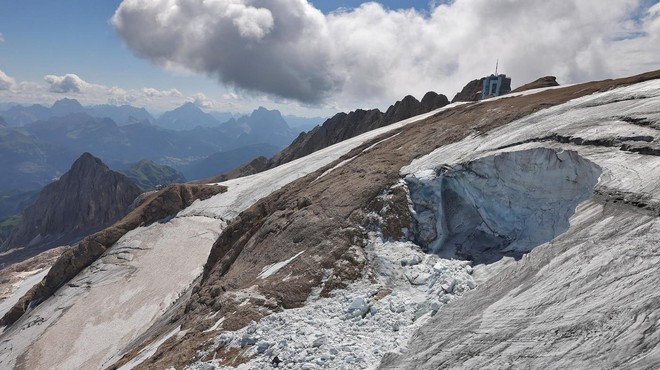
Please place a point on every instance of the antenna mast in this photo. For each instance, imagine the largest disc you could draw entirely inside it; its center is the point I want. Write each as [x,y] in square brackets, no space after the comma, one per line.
[497,65]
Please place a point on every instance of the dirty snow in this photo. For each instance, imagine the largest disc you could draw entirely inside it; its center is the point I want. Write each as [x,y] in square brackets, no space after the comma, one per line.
[28,281]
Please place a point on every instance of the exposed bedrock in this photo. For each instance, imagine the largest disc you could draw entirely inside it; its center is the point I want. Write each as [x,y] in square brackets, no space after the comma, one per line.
[500,205]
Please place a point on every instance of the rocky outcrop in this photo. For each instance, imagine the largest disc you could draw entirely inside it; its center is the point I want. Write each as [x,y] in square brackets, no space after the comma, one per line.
[151,208]
[547,81]
[470,92]
[86,199]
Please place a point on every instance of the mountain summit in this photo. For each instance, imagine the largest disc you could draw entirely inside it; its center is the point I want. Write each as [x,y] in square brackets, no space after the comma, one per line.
[86,199]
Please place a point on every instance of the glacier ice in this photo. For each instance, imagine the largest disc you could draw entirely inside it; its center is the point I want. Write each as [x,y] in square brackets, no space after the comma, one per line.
[499,205]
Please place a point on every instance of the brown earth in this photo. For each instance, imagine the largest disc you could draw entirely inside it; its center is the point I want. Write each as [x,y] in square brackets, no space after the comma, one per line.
[153,207]
[326,221]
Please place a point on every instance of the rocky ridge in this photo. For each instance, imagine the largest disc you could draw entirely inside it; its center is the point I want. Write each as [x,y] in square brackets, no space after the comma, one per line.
[547,81]
[343,126]
[470,92]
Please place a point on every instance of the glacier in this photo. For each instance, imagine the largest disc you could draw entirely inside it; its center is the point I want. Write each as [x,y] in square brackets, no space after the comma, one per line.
[576,294]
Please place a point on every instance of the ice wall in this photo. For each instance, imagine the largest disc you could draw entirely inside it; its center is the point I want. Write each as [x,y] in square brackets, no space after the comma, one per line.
[500,205]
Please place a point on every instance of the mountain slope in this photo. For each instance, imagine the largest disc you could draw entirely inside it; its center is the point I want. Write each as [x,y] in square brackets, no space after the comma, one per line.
[323,250]
[322,220]
[147,175]
[343,126]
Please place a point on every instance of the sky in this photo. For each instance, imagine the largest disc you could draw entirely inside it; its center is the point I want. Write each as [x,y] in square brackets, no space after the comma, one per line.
[309,58]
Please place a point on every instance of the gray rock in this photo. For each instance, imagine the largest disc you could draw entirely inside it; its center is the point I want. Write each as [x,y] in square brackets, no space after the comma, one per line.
[318,342]
[358,307]
[262,346]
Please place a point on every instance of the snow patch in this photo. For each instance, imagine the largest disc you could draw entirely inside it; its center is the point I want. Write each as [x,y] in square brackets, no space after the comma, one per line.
[216,325]
[269,270]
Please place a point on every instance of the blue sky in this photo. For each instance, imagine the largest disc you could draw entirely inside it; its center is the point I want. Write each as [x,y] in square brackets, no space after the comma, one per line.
[366,58]
[43,37]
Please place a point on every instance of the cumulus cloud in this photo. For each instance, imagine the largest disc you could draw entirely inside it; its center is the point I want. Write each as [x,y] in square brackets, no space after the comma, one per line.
[275,46]
[201,101]
[288,48]
[6,82]
[69,83]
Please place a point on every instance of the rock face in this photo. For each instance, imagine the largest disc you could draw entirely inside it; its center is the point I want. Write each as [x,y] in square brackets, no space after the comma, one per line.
[547,81]
[470,92]
[86,199]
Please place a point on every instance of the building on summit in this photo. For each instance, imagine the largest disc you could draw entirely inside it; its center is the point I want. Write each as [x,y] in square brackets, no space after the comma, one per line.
[495,85]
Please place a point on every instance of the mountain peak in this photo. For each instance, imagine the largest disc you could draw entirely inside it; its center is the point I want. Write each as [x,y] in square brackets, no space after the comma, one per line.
[66,102]
[87,198]
[86,160]
[190,106]
[66,106]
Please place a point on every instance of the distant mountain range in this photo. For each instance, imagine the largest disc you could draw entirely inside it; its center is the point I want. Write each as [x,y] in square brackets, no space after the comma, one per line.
[19,115]
[38,143]
[186,117]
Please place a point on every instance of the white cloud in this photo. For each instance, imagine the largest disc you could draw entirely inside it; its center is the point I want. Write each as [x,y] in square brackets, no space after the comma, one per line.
[288,48]
[2,37]
[151,93]
[6,82]
[119,96]
[201,101]
[69,83]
